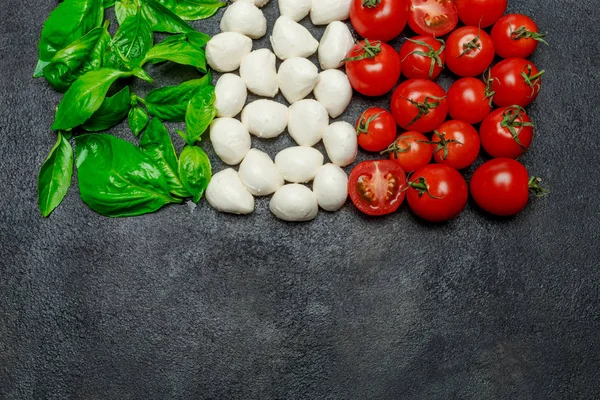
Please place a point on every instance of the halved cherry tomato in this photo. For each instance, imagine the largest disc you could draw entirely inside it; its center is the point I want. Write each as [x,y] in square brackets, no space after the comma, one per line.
[379,19]
[376,129]
[481,13]
[373,68]
[469,100]
[507,132]
[411,151]
[422,57]
[377,187]
[456,144]
[432,17]
[419,105]
[516,35]
[516,82]
[469,51]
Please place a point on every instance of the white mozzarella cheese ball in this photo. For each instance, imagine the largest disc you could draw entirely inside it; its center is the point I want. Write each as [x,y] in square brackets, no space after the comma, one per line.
[231,95]
[245,18]
[230,139]
[259,72]
[325,11]
[225,51]
[259,173]
[257,3]
[227,193]
[307,121]
[334,91]
[266,119]
[294,203]
[295,9]
[297,78]
[290,39]
[335,45]
[299,164]
[341,143]
[331,187]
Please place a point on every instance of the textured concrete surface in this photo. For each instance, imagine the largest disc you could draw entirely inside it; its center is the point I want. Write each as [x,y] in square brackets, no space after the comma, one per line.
[210,306]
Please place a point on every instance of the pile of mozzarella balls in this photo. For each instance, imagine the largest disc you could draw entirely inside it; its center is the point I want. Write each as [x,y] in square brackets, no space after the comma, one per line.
[306,120]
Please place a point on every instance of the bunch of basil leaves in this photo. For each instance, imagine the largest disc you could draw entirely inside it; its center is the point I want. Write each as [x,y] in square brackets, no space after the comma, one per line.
[79,57]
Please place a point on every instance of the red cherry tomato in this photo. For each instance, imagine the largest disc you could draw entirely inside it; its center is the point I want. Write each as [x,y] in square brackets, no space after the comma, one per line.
[469,100]
[507,132]
[437,193]
[516,82]
[376,129]
[419,105]
[379,19]
[432,17]
[422,57]
[373,68]
[411,151]
[456,144]
[469,51]
[516,36]
[481,13]
[377,187]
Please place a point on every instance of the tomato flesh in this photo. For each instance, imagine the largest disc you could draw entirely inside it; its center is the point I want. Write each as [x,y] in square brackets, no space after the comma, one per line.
[432,17]
[377,187]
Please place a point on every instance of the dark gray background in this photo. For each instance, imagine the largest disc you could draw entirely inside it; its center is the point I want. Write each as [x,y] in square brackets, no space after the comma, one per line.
[177,305]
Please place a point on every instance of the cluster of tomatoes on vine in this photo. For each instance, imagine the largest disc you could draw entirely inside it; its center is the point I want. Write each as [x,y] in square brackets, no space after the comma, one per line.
[439,125]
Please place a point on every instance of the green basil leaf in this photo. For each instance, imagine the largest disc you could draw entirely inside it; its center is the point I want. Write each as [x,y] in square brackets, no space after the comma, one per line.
[85,97]
[198,39]
[108,3]
[195,171]
[200,113]
[137,119]
[130,44]
[116,179]
[126,8]
[170,103]
[112,111]
[179,50]
[55,176]
[161,19]
[192,10]
[156,144]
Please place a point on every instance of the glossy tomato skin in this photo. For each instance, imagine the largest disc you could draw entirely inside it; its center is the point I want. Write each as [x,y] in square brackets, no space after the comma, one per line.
[376,129]
[373,76]
[421,91]
[377,187]
[498,140]
[510,86]
[469,51]
[514,36]
[468,101]
[501,187]
[456,144]
[445,197]
[417,66]
[432,17]
[411,151]
[383,21]
[480,12]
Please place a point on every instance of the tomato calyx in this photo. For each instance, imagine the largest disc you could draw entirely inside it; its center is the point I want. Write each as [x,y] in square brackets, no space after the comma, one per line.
[396,149]
[371,3]
[522,33]
[442,144]
[534,81]
[536,188]
[432,54]
[473,44]
[421,186]
[369,50]
[428,104]
[488,80]
[511,114]
[363,124]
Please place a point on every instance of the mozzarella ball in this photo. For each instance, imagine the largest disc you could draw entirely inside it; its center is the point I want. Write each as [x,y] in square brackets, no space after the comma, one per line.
[341,143]
[231,95]
[307,122]
[331,187]
[265,118]
[245,18]
[294,203]
[259,174]
[230,139]
[290,39]
[299,164]
[227,193]
[334,91]
[295,9]
[257,3]
[297,78]
[325,11]
[259,73]
[225,51]
[335,45]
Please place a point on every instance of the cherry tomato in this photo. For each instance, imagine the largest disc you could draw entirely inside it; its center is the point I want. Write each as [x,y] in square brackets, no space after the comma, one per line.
[376,129]
[422,57]
[481,13]
[373,68]
[507,132]
[516,36]
[516,82]
[377,187]
[432,17]
[469,51]
[469,100]
[456,144]
[411,151]
[419,105]
[379,19]
[437,193]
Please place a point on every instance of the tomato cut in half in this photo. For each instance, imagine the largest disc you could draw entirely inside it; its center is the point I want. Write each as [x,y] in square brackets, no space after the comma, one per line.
[377,187]
[432,17]
[379,19]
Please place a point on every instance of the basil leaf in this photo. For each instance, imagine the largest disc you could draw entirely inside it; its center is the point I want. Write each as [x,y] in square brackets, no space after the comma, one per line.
[200,113]
[161,19]
[126,8]
[116,179]
[85,97]
[108,3]
[112,111]
[179,50]
[137,119]
[55,176]
[195,171]
[130,44]
[198,39]
[170,103]
[192,10]
[156,144]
